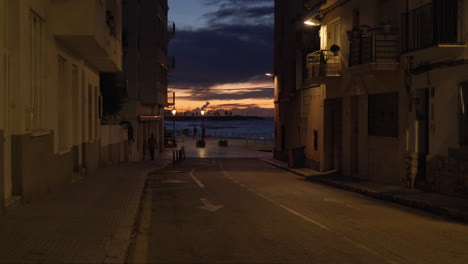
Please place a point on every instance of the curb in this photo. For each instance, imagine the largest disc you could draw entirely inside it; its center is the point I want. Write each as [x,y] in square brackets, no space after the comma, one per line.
[392,197]
[117,247]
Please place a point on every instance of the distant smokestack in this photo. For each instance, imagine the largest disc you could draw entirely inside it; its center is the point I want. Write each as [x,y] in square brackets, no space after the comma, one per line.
[205,106]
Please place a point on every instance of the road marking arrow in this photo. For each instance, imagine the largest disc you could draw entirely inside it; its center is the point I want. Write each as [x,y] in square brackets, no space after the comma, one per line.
[208,206]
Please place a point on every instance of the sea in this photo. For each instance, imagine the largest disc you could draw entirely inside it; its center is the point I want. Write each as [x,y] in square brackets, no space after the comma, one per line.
[241,129]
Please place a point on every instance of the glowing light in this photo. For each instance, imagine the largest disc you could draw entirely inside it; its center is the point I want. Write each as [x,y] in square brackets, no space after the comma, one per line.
[312,22]
[174,112]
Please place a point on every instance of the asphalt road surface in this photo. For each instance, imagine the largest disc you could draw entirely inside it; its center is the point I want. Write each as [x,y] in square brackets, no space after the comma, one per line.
[246,211]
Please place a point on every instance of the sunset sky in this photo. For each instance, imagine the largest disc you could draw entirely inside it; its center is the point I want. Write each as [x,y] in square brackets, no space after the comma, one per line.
[223,48]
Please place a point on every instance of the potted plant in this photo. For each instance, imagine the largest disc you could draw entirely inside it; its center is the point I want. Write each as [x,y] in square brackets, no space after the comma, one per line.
[335,49]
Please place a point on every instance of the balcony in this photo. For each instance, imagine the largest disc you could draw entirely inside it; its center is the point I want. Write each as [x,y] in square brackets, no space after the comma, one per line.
[171,64]
[171,98]
[323,67]
[91,28]
[375,49]
[434,25]
[171,29]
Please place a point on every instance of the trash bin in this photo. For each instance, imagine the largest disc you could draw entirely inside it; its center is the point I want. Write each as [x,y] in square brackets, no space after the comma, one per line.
[296,157]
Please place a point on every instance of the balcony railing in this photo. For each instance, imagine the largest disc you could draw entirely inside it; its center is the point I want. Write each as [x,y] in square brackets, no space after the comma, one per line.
[432,24]
[171,29]
[377,45]
[171,63]
[171,98]
[323,63]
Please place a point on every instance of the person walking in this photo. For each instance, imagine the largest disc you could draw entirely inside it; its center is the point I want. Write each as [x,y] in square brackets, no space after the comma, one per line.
[152,146]
[195,131]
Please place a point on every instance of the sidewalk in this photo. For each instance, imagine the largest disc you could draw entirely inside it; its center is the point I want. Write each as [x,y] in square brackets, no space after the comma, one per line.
[90,221]
[453,207]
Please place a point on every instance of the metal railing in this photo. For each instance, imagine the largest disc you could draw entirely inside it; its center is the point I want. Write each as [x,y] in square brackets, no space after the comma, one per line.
[435,23]
[171,98]
[263,139]
[171,63]
[375,45]
[323,63]
[171,28]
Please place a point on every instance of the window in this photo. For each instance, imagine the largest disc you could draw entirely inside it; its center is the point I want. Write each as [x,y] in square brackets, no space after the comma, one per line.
[113,17]
[83,106]
[62,104]
[75,105]
[37,70]
[383,115]
[315,140]
[90,112]
[334,34]
[97,110]
[356,18]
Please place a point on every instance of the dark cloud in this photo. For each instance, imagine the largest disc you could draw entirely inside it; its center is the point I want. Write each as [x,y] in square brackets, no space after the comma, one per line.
[222,54]
[237,2]
[235,46]
[201,95]
[242,15]
[236,106]
[256,12]
[247,109]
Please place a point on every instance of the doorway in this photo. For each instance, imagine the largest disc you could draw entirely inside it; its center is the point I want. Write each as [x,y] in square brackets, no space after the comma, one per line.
[354,136]
[421,133]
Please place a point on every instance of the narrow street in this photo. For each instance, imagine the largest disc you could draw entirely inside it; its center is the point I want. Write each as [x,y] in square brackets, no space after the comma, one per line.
[246,211]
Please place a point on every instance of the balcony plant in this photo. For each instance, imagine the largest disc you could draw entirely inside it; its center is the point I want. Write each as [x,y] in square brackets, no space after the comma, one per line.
[335,49]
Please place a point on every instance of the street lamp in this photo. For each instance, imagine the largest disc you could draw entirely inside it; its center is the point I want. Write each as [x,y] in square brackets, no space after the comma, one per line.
[312,22]
[203,124]
[174,112]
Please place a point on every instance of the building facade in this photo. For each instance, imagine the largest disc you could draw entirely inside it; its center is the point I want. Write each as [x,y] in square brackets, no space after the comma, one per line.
[380,95]
[146,66]
[51,59]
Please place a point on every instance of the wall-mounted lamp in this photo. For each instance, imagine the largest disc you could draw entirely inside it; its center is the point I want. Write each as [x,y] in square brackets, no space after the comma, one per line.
[270,74]
[312,22]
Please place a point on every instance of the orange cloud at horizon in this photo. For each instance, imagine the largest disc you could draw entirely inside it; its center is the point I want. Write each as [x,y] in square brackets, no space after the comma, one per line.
[187,99]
